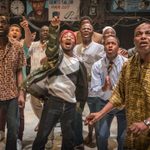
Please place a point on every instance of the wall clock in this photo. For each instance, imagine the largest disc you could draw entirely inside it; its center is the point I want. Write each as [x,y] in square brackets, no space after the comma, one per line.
[17,7]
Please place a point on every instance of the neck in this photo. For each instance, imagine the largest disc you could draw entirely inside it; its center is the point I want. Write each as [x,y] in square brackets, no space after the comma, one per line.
[111,58]
[69,53]
[86,42]
[3,42]
[145,57]
[43,41]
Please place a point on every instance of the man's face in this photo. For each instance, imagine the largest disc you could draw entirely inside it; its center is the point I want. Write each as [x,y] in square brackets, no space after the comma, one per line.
[142,38]
[14,33]
[68,41]
[3,26]
[38,7]
[86,31]
[44,33]
[111,47]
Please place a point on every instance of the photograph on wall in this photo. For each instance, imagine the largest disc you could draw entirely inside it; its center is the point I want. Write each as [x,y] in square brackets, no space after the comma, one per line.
[67,10]
[93,11]
[93,2]
[4,7]
[130,6]
[37,11]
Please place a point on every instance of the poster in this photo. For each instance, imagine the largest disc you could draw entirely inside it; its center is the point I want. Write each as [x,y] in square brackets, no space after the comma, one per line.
[67,10]
[130,6]
[4,7]
[37,11]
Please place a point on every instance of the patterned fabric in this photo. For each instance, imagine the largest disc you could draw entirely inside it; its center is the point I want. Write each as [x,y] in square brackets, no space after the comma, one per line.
[133,90]
[11,60]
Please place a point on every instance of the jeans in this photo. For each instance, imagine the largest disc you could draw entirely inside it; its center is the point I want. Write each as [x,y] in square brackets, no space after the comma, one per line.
[78,128]
[21,123]
[11,107]
[103,127]
[94,105]
[20,120]
[55,109]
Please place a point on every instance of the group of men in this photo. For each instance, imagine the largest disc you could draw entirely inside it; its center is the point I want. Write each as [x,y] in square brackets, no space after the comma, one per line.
[89,72]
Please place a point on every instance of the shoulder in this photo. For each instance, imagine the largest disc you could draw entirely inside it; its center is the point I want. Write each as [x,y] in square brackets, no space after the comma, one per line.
[97,45]
[35,44]
[99,63]
[122,58]
[97,37]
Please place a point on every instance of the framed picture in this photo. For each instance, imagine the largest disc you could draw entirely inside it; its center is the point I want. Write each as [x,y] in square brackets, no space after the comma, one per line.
[93,11]
[4,7]
[130,6]
[93,2]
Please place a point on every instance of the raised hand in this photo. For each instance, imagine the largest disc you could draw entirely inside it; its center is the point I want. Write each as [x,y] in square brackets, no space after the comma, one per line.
[24,23]
[55,21]
[107,84]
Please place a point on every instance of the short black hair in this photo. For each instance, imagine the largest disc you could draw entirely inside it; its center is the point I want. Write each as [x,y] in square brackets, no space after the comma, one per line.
[118,41]
[85,18]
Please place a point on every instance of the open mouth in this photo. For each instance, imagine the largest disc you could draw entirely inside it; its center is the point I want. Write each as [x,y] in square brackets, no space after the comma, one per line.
[14,36]
[68,43]
[143,44]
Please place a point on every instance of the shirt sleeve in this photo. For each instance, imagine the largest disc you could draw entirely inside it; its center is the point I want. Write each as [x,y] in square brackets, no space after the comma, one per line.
[97,81]
[22,59]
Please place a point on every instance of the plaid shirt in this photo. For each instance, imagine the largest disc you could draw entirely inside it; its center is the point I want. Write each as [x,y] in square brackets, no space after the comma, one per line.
[133,90]
[11,61]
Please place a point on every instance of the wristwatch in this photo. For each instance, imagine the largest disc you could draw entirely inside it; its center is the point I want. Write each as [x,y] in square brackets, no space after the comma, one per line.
[147,123]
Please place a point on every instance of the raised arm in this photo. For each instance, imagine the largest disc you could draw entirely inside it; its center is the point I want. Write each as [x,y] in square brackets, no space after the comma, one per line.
[28,35]
[53,42]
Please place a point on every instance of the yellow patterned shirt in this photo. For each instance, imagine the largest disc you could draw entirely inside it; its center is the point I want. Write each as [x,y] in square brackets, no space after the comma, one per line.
[133,91]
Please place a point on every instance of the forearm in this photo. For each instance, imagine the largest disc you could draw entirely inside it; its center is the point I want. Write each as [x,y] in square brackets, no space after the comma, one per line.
[108,107]
[28,37]
[19,81]
[53,42]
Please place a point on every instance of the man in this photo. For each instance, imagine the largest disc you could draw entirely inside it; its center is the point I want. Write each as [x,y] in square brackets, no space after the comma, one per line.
[105,74]
[65,86]
[96,37]
[39,12]
[37,55]
[88,52]
[14,35]
[11,96]
[133,91]
[109,31]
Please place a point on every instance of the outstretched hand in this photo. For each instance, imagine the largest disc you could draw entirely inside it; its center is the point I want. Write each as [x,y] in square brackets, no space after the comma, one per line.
[92,118]
[55,21]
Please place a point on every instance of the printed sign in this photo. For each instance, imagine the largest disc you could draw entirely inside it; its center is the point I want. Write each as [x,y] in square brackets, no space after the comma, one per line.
[67,10]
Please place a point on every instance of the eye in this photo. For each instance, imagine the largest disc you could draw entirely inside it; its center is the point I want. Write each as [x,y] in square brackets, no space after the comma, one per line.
[138,34]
